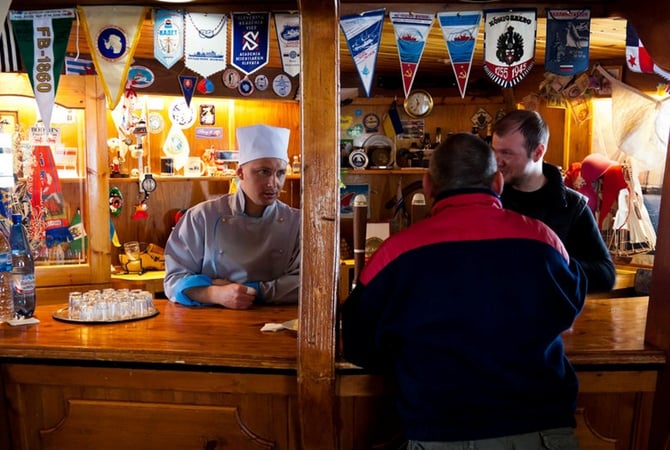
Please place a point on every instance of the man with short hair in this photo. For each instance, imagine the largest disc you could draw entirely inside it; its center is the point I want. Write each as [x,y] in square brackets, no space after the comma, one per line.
[464,310]
[536,189]
[244,248]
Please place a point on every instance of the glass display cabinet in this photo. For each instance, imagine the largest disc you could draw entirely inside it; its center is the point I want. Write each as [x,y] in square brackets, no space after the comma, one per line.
[60,181]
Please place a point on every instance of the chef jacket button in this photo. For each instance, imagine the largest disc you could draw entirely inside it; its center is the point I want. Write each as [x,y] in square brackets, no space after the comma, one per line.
[281,219]
[224,220]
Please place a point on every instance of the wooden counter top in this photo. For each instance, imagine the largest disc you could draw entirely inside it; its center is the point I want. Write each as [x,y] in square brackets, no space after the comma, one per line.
[609,332]
[207,336]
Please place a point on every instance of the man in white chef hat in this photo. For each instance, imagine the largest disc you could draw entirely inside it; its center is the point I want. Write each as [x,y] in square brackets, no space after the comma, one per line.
[242,248]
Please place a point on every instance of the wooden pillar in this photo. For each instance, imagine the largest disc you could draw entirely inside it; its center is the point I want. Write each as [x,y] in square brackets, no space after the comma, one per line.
[651,21]
[657,331]
[320,223]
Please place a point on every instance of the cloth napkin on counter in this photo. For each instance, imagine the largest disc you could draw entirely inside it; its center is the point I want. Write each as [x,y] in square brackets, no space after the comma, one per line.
[291,325]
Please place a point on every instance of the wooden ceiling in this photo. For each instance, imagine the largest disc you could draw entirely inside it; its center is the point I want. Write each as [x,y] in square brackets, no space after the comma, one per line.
[607,39]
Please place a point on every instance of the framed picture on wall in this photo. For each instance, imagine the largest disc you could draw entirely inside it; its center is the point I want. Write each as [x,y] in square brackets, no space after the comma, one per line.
[347,195]
[603,85]
[8,121]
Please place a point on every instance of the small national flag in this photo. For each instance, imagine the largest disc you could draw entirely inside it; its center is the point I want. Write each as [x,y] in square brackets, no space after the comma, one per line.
[637,57]
[112,234]
[78,66]
[79,240]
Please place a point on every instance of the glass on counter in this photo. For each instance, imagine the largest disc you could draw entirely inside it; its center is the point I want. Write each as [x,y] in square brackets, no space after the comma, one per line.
[107,305]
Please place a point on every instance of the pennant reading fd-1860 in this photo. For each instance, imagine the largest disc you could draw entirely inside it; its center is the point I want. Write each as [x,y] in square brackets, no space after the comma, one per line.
[42,37]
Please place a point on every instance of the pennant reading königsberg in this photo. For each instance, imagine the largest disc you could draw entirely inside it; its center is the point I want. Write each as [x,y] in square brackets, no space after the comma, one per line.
[509,45]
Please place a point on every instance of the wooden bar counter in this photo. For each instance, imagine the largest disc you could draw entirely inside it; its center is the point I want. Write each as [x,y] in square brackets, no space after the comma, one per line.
[208,377]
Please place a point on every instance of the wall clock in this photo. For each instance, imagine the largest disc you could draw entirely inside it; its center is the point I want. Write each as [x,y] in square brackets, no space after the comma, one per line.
[418,104]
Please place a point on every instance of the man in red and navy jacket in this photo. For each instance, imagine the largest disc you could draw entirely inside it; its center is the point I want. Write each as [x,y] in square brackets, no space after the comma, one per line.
[465,310]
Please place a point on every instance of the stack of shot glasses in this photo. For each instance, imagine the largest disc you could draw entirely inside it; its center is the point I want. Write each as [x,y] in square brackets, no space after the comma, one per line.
[110,305]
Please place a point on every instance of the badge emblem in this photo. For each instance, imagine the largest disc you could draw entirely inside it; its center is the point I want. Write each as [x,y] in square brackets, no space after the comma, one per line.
[112,43]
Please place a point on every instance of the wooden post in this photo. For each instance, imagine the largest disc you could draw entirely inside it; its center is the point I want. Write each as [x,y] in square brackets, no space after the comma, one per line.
[319,81]
[360,228]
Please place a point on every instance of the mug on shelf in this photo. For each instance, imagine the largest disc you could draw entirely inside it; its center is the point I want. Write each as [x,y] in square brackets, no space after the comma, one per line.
[195,167]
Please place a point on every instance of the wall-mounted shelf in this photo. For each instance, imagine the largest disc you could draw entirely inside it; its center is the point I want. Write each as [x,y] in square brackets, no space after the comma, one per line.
[407,171]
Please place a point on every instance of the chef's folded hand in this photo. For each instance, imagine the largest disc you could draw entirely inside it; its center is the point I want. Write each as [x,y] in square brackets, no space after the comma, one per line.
[232,295]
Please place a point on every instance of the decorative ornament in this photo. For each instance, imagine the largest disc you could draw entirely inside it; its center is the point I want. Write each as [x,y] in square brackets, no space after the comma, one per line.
[140,211]
[115,201]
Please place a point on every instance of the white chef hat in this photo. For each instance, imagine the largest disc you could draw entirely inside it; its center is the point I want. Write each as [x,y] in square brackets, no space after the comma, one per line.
[262,141]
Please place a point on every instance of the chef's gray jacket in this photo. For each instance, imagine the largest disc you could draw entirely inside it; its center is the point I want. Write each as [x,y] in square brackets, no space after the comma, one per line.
[216,239]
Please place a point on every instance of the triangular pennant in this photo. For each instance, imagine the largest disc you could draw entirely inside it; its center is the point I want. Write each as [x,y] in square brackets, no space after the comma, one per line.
[168,36]
[287,27]
[187,83]
[205,42]
[411,31]
[112,33]
[567,48]
[363,33]
[42,37]
[49,202]
[9,53]
[637,57]
[509,45]
[460,31]
[250,46]
[4,7]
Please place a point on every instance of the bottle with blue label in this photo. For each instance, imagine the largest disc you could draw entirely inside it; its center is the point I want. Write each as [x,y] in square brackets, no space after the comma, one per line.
[23,270]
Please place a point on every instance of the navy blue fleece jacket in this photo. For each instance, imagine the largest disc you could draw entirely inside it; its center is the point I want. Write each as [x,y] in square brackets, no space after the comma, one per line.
[465,310]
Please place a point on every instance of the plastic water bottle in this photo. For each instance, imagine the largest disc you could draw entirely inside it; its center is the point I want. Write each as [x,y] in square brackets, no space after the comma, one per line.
[6,300]
[23,270]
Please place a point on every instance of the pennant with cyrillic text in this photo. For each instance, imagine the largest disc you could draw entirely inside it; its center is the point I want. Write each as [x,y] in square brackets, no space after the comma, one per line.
[509,45]
[112,33]
[250,46]
[637,57]
[205,42]
[42,38]
[411,32]
[168,36]
[567,49]
[363,32]
[288,38]
[460,31]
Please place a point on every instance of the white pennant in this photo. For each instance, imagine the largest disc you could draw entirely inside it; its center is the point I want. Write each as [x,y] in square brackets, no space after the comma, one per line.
[206,40]
[112,33]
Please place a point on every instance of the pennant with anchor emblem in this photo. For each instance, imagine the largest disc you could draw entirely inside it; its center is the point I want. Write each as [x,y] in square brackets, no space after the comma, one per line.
[460,31]
[168,36]
[206,39]
[113,33]
[509,45]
